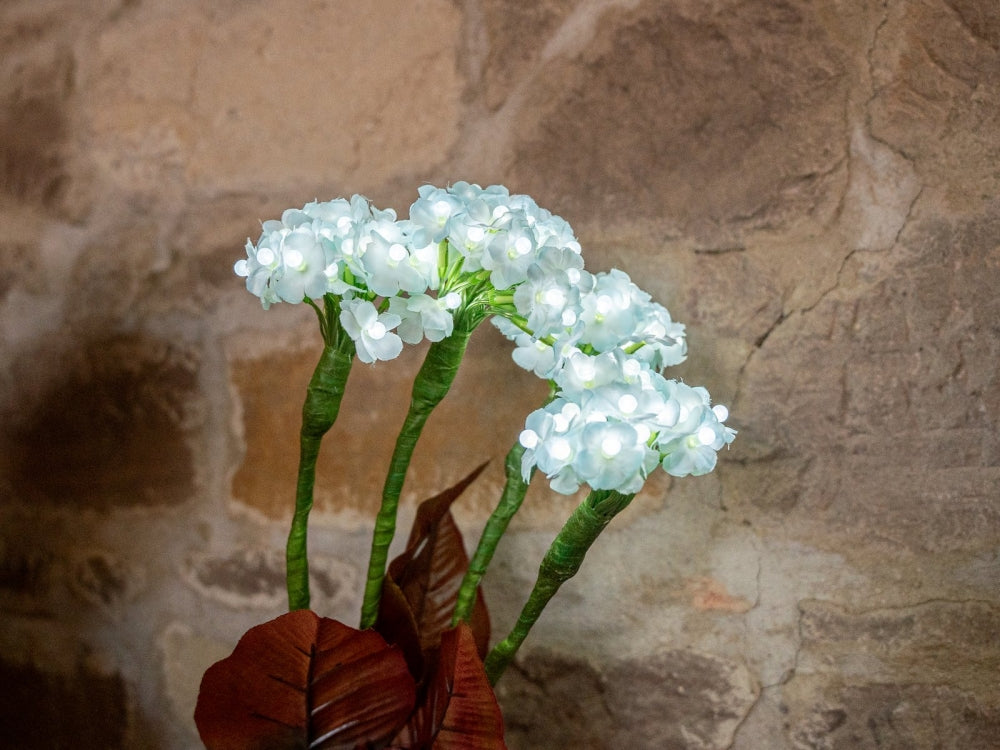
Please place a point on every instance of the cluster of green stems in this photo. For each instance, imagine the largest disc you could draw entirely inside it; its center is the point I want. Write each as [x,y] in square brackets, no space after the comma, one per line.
[433,381]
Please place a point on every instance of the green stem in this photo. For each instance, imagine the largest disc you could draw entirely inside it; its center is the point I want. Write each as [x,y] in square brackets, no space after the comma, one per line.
[560,563]
[511,499]
[319,412]
[430,386]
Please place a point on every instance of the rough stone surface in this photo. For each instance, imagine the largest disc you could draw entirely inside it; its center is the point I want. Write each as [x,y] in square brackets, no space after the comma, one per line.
[676,699]
[84,709]
[350,483]
[810,187]
[111,431]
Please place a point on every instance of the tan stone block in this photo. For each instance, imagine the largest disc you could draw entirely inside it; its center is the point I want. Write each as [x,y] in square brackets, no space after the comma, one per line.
[273,96]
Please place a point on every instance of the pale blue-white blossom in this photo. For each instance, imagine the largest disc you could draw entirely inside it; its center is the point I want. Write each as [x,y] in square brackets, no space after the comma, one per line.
[370,330]
[422,316]
[307,253]
[614,420]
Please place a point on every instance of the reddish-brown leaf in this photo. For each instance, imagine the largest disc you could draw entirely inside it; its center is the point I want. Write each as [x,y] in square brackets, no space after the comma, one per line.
[425,580]
[302,681]
[459,710]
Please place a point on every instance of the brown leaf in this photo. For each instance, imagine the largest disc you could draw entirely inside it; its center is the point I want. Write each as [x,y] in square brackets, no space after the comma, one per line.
[302,681]
[422,584]
[459,710]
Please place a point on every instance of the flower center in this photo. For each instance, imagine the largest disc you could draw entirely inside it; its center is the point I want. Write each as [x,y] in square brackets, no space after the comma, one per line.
[397,253]
[611,446]
[628,403]
[560,449]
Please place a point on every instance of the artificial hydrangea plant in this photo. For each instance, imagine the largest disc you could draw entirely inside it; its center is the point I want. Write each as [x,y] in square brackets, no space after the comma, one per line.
[467,254]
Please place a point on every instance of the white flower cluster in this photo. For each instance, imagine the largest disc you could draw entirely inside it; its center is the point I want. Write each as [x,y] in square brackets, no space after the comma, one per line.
[565,310]
[603,342]
[402,280]
[600,338]
[614,419]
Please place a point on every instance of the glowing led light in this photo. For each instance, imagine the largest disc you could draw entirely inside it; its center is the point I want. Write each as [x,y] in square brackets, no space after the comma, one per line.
[523,245]
[570,411]
[706,435]
[604,304]
[475,234]
[294,259]
[397,252]
[573,274]
[265,256]
[631,368]
[560,449]
[442,209]
[529,439]
[720,412]
[240,267]
[555,298]
[611,446]
[643,433]
[628,403]
[377,330]
[568,318]
[452,300]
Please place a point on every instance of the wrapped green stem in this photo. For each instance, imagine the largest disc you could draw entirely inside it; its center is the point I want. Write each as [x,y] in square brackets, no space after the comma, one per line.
[560,563]
[511,499]
[430,386]
[319,412]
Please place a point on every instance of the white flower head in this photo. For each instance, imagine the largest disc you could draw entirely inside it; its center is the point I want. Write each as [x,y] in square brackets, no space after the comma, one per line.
[306,253]
[371,332]
[422,316]
[609,312]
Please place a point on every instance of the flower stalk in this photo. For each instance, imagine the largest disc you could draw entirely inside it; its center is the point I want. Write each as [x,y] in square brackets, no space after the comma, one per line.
[322,404]
[510,501]
[561,562]
[430,386]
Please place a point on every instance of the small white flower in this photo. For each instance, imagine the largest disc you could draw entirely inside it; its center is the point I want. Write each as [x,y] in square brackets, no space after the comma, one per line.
[422,316]
[370,331]
[613,457]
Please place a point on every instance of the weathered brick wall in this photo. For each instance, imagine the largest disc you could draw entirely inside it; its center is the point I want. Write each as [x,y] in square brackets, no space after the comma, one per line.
[810,186]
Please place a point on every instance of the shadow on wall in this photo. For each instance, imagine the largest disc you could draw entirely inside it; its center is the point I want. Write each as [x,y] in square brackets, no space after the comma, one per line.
[108,430]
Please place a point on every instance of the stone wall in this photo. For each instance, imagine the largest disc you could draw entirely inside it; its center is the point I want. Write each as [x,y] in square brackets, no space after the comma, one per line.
[810,186]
